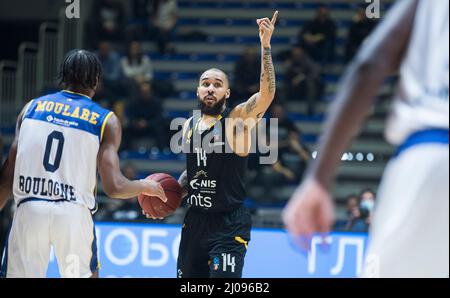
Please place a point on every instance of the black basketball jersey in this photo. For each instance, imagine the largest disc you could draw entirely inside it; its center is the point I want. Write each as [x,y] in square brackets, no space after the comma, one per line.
[215,177]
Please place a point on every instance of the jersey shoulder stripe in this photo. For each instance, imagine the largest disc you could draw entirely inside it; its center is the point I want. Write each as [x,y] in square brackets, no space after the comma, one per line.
[70,110]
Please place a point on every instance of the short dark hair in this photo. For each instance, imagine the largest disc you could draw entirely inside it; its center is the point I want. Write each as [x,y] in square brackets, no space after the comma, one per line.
[80,68]
[216,70]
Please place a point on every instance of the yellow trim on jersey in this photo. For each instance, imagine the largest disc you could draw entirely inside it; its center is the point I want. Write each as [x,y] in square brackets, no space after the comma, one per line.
[240,240]
[72,92]
[197,124]
[104,124]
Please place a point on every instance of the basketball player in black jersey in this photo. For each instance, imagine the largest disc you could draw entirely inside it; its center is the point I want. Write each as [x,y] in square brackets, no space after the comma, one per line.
[216,229]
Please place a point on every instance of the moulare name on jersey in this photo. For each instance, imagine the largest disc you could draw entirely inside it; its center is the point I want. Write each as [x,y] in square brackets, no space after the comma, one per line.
[67,111]
[46,188]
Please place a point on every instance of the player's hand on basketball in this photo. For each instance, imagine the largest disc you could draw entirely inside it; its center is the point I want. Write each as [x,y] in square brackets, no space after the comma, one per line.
[154,189]
[309,211]
[266,28]
[150,216]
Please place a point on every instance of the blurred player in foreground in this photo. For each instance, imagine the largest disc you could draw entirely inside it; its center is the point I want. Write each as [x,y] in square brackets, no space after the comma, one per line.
[61,140]
[409,236]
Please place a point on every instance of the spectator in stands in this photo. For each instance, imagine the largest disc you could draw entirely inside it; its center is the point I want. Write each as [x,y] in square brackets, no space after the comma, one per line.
[146,121]
[143,8]
[367,199]
[108,20]
[356,217]
[111,80]
[246,76]
[302,78]
[163,19]
[359,29]
[293,156]
[318,37]
[110,60]
[136,67]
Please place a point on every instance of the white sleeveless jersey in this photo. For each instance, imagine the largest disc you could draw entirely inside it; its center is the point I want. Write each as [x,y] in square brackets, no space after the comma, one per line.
[421,100]
[57,151]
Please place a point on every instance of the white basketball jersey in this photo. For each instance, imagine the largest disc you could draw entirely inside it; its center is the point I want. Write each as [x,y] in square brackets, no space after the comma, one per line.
[57,150]
[421,100]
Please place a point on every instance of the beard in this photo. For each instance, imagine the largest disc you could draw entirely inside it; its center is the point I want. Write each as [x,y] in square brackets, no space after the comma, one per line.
[213,110]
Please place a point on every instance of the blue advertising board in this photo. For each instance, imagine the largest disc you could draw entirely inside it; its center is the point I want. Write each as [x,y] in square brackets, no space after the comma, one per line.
[151,250]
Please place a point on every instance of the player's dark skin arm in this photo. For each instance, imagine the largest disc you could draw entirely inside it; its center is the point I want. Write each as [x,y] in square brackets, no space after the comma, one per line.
[380,57]
[115,185]
[7,170]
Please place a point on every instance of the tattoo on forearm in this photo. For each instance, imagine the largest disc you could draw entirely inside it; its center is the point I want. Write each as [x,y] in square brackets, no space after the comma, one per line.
[269,69]
[251,105]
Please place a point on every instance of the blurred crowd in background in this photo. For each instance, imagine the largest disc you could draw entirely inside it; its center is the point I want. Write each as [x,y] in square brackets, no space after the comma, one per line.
[130,89]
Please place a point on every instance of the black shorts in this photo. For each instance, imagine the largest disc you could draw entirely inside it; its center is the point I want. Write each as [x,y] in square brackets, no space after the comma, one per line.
[214,244]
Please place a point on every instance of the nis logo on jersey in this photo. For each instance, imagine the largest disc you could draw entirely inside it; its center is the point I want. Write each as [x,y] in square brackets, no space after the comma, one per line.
[67,111]
[205,187]
[195,184]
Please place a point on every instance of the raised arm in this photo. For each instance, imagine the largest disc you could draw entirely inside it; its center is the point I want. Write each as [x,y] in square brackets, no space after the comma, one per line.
[115,185]
[257,105]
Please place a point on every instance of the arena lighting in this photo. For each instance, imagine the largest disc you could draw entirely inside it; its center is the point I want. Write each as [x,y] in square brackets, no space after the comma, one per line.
[349,156]
[359,156]
[154,150]
[314,154]
[344,156]
[370,157]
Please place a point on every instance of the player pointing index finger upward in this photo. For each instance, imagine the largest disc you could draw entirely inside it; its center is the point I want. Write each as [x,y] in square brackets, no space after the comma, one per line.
[216,228]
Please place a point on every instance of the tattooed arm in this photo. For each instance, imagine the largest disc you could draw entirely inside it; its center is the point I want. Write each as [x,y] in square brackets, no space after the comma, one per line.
[258,103]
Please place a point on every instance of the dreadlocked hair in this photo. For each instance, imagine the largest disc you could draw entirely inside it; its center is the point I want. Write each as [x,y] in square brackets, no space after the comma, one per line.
[80,68]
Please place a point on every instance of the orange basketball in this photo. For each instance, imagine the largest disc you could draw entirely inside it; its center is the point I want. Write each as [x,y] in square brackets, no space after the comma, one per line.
[153,205]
